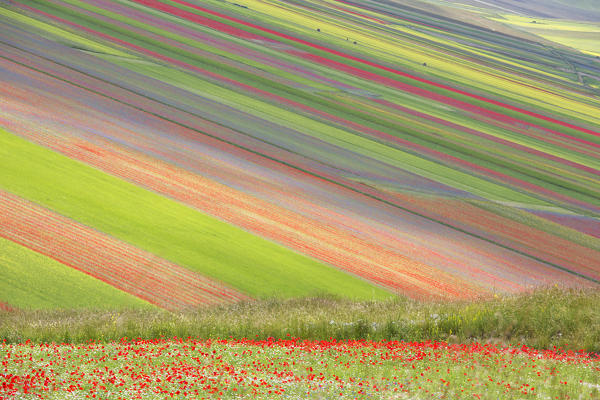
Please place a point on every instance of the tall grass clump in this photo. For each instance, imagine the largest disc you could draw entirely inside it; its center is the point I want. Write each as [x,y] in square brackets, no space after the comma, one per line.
[544,318]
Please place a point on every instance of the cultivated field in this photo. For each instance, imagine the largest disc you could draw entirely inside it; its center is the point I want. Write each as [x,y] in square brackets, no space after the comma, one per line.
[365,151]
[299,199]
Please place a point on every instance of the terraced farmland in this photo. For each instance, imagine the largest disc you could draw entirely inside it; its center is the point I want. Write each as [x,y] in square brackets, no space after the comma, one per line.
[182,153]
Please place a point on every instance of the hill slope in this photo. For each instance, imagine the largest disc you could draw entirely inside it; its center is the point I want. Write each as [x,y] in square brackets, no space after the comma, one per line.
[397,150]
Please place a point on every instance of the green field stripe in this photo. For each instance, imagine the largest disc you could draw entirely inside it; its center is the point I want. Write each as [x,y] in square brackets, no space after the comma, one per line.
[167,228]
[29,280]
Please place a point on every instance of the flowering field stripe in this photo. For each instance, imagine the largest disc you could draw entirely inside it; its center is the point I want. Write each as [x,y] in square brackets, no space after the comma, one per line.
[173,232]
[120,265]
[293,368]
[33,281]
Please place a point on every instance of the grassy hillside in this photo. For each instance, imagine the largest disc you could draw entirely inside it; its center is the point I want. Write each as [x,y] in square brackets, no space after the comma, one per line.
[542,319]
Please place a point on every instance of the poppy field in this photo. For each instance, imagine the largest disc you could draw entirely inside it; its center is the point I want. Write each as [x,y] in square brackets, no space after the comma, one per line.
[400,349]
[294,369]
